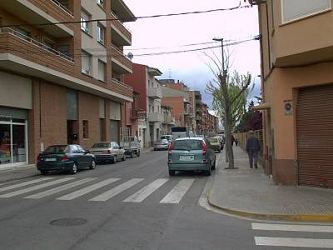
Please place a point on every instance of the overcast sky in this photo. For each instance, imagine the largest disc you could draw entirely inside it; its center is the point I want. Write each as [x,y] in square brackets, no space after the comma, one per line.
[176,33]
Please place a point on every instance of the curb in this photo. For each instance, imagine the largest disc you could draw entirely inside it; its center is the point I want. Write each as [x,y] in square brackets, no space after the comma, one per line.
[282,217]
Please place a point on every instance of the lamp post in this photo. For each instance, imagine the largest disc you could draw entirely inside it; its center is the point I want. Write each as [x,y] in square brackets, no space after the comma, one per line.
[222,54]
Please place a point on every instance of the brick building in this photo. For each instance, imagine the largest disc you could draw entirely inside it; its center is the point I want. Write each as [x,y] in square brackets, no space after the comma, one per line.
[63,82]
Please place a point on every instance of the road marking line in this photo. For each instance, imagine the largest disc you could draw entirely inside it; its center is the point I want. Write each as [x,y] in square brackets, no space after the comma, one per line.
[292,228]
[177,193]
[116,190]
[293,242]
[87,190]
[146,191]
[23,184]
[59,189]
[23,191]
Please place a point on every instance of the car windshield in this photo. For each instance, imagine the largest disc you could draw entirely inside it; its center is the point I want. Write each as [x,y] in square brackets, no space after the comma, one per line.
[167,137]
[58,149]
[188,145]
[101,145]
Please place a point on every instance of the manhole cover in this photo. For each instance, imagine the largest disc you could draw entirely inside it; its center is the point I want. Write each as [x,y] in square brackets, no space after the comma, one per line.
[66,222]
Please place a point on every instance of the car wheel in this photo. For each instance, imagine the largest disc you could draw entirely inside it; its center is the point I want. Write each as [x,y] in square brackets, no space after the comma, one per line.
[115,159]
[44,172]
[132,154]
[124,157]
[214,165]
[209,171]
[93,164]
[138,153]
[172,172]
[74,169]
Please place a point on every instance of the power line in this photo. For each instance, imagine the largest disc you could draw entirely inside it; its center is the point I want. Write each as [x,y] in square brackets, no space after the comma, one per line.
[138,17]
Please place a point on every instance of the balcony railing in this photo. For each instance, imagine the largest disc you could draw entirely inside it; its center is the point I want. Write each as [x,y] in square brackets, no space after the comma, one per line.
[155,117]
[36,43]
[155,92]
[62,7]
[123,63]
[122,84]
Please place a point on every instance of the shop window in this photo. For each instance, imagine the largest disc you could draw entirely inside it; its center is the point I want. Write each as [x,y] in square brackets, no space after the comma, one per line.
[85,126]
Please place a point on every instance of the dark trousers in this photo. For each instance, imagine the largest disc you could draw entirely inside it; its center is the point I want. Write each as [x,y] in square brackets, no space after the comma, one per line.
[253,158]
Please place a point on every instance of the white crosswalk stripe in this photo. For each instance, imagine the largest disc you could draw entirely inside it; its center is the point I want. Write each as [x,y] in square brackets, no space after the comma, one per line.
[34,188]
[293,241]
[146,191]
[70,188]
[177,193]
[87,190]
[59,189]
[23,184]
[116,190]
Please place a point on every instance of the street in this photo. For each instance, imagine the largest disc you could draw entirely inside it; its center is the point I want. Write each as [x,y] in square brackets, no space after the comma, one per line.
[134,205]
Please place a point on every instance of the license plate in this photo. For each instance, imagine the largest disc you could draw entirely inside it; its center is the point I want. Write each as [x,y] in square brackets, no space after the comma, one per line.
[50,159]
[186,157]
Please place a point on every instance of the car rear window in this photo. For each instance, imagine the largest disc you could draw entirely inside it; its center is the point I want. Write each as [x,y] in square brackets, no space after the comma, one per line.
[188,145]
[101,145]
[59,149]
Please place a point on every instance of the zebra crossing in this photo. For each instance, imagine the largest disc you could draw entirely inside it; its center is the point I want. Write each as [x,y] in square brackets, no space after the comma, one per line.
[296,241]
[109,188]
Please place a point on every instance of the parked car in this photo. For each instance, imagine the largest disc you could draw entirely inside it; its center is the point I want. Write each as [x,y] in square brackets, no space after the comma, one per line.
[168,137]
[108,152]
[132,146]
[161,145]
[215,143]
[189,154]
[68,158]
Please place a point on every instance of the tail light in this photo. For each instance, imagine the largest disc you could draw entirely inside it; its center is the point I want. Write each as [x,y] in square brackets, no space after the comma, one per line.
[204,148]
[65,158]
[171,146]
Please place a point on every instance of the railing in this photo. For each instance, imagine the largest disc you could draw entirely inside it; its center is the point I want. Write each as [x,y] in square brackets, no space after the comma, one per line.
[35,42]
[63,7]
[114,80]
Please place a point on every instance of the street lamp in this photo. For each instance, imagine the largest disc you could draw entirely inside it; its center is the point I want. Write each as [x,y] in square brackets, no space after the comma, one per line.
[221,40]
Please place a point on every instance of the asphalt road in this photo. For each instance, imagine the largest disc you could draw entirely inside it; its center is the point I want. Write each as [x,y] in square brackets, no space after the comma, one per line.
[128,205]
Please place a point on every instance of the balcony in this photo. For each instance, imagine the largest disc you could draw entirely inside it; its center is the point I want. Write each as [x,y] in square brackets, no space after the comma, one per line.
[155,117]
[314,45]
[121,87]
[155,93]
[119,34]
[120,63]
[122,11]
[24,54]
[42,12]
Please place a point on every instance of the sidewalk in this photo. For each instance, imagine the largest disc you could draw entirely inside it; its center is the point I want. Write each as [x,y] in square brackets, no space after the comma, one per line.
[250,193]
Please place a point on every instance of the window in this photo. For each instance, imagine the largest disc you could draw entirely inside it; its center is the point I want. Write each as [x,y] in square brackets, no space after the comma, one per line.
[100,33]
[101,71]
[85,21]
[85,62]
[85,126]
[296,9]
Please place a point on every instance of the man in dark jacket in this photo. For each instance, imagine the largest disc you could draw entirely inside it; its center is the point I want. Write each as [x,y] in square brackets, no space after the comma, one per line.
[252,148]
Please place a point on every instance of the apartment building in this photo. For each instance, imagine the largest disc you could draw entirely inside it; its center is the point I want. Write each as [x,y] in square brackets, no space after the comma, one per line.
[297,88]
[144,82]
[61,74]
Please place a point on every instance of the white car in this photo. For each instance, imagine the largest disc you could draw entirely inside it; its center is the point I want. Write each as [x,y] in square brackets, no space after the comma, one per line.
[108,152]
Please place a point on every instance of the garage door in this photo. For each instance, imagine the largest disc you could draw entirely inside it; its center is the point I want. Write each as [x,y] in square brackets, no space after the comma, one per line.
[314,124]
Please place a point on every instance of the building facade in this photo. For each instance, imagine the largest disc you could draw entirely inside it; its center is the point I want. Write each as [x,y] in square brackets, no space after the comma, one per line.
[61,82]
[297,89]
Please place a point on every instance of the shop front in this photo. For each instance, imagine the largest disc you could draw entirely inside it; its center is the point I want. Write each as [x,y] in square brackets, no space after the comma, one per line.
[13,137]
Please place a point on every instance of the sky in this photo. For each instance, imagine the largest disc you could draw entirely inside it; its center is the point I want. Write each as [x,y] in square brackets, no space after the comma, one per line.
[178,33]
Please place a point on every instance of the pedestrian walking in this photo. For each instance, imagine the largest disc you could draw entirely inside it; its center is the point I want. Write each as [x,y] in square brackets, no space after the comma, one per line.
[253,148]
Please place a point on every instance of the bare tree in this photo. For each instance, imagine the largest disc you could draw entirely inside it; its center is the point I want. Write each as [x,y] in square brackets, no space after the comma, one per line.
[229,99]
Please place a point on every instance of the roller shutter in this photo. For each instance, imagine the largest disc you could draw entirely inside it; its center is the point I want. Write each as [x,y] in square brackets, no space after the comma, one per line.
[314,125]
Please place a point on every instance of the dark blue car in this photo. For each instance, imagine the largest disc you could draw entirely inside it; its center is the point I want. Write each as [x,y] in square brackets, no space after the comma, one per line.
[66,158]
